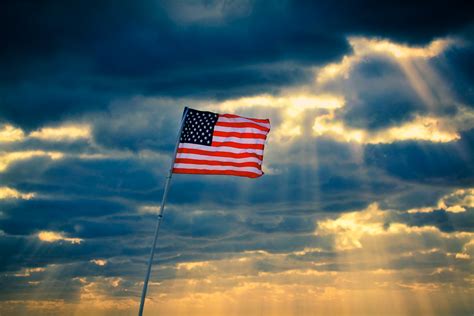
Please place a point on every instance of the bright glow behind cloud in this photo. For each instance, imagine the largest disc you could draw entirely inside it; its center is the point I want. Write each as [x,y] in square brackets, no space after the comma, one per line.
[421,128]
[9,133]
[63,132]
[9,193]
[455,202]
[7,158]
[363,47]
[292,106]
[50,236]
[99,262]
[295,106]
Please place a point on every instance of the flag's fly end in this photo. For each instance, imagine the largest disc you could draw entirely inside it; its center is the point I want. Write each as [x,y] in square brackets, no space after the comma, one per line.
[221,144]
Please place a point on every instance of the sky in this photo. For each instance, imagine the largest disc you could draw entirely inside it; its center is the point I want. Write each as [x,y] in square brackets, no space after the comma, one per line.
[367,202]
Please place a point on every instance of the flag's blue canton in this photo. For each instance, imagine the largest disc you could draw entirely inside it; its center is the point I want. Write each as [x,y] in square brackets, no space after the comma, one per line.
[198,127]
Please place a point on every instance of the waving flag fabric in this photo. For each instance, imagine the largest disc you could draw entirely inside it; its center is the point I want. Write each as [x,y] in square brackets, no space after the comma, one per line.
[224,144]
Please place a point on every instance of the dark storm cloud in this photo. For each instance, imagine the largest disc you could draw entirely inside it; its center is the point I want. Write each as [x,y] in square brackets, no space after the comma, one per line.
[61,59]
[197,236]
[79,146]
[22,288]
[133,126]
[414,196]
[78,57]
[400,20]
[444,220]
[202,225]
[98,201]
[25,217]
[293,224]
[31,252]
[437,163]
[127,69]
[127,178]
[379,96]
[379,93]
[457,65]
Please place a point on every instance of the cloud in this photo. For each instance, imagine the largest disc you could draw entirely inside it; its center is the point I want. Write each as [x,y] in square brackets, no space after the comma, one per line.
[292,106]
[9,133]
[367,193]
[9,193]
[444,220]
[24,217]
[400,241]
[455,202]
[366,47]
[394,92]
[349,110]
[99,262]
[65,132]
[80,66]
[421,128]
[10,157]
[49,236]
[349,228]
[446,163]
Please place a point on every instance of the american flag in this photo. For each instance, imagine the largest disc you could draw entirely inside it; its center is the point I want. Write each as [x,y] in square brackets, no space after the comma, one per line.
[224,144]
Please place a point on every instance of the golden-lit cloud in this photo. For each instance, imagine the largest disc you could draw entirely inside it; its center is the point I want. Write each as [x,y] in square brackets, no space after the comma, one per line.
[50,236]
[363,47]
[9,193]
[229,282]
[6,158]
[366,277]
[297,102]
[65,132]
[95,296]
[150,209]
[426,82]
[350,229]
[71,133]
[353,263]
[295,106]
[455,202]
[29,271]
[192,265]
[421,128]
[99,262]
[9,133]
[292,105]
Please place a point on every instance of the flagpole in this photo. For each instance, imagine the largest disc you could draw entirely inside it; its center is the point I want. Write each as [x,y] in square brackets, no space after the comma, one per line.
[160,215]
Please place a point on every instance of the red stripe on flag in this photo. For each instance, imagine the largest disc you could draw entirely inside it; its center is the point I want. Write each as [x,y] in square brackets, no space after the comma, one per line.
[243,125]
[218,153]
[218,163]
[217,172]
[238,145]
[240,135]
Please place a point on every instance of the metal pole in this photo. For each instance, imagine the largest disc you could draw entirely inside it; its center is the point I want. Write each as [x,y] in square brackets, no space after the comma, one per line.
[160,216]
